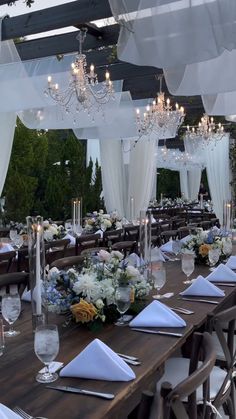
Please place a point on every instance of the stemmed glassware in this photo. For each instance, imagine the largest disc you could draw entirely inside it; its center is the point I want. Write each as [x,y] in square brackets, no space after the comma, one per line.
[213,256]
[11,307]
[176,247]
[122,300]
[187,265]
[46,347]
[159,278]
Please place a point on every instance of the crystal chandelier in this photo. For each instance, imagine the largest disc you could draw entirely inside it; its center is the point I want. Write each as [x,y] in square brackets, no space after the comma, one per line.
[83,92]
[207,131]
[159,118]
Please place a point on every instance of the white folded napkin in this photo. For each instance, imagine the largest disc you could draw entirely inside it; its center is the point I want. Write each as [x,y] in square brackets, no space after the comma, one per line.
[222,274]
[6,413]
[167,247]
[231,262]
[157,314]
[186,238]
[26,296]
[203,288]
[135,260]
[71,238]
[156,254]
[6,247]
[100,232]
[97,361]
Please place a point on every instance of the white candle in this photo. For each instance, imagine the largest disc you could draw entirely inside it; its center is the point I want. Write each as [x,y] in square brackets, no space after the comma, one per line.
[145,240]
[131,208]
[38,298]
[201,201]
[74,210]
[161,198]
[78,213]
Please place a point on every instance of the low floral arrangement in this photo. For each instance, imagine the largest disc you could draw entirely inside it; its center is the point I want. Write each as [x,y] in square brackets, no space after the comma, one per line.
[89,295]
[202,242]
[169,202]
[101,221]
[53,231]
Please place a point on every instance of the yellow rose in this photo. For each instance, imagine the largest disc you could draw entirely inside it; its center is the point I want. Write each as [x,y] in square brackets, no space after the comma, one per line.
[204,249]
[83,311]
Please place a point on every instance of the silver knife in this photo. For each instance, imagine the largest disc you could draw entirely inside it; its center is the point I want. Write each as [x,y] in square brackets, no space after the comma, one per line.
[132,358]
[226,284]
[108,396]
[157,332]
[198,300]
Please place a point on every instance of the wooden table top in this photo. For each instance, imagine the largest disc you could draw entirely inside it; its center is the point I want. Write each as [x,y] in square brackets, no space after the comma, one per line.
[19,365]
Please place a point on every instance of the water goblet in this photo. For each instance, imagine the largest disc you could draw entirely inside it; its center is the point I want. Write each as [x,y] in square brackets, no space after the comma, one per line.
[18,241]
[122,300]
[159,278]
[46,347]
[11,307]
[213,256]
[13,234]
[176,247]
[187,265]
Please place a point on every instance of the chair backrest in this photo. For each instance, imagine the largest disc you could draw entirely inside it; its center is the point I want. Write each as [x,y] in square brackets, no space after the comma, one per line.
[10,282]
[6,259]
[68,262]
[199,375]
[92,251]
[126,247]
[86,241]
[131,233]
[112,236]
[55,249]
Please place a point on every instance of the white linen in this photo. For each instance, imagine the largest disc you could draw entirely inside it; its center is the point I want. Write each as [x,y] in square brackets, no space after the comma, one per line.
[156,254]
[203,288]
[71,238]
[183,177]
[194,179]
[97,361]
[231,263]
[6,413]
[222,274]
[6,248]
[157,314]
[167,247]
[135,260]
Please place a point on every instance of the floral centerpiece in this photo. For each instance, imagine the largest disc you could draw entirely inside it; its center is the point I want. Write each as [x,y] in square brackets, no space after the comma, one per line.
[89,295]
[53,231]
[203,241]
[101,221]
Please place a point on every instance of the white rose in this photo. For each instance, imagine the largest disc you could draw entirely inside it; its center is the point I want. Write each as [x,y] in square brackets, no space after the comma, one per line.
[52,272]
[132,272]
[99,304]
[104,256]
[48,235]
[53,230]
[45,223]
[117,255]
[101,211]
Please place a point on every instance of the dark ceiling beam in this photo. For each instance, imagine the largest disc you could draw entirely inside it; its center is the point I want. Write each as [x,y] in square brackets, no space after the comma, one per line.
[65,43]
[69,14]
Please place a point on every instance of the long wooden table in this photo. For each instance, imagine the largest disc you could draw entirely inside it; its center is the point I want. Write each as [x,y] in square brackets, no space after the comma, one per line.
[19,364]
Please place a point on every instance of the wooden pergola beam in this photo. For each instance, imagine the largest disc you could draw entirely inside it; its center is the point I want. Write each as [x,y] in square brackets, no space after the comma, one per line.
[69,14]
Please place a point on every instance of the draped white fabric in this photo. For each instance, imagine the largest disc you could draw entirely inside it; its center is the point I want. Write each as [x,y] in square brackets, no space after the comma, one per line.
[93,151]
[177,32]
[220,104]
[218,174]
[142,171]
[183,177]
[113,176]
[7,124]
[194,179]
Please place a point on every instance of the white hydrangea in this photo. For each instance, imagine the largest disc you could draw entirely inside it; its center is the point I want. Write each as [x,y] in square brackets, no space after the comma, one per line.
[88,287]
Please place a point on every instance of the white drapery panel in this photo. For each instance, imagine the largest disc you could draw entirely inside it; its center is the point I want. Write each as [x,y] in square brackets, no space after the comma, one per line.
[218,174]
[194,179]
[113,177]
[142,170]
[183,177]
[165,34]
[7,130]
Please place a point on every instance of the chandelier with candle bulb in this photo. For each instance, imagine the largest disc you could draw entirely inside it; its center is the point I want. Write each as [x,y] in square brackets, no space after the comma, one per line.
[207,131]
[83,92]
[159,118]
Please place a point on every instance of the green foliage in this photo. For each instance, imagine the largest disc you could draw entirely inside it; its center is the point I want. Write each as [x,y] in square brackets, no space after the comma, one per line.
[46,171]
[168,183]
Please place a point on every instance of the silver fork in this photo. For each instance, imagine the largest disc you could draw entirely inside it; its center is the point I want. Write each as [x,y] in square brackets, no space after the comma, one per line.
[22,413]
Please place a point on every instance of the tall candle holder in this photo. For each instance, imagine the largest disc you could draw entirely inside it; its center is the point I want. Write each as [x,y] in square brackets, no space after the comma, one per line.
[201,201]
[145,235]
[227,215]
[36,268]
[77,215]
[132,209]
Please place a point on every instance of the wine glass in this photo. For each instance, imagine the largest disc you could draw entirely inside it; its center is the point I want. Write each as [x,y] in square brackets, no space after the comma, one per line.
[213,256]
[159,278]
[122,300]
[18,241]
[13,234]
[187,265]
[46,347]
[176,247]
[11,307]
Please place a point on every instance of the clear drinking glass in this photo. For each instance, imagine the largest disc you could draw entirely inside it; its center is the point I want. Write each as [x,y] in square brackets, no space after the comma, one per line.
[158,278]
[213,256]
[46,347]
[11,307]
[13,234]
[18,241]
[122,300]
[187,265]
[176,247]
[2,341]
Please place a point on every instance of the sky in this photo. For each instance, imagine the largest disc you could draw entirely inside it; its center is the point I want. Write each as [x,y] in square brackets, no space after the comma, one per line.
[20,8]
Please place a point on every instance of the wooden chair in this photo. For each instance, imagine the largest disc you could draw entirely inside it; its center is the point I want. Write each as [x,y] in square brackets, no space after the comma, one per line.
[68,262]
[112,236]
[206,225]
[6,260]
[183,232]
[23,260]
[93,251]
[86,241]
[55,249]
[125,247]
[165,225]
[10,282]
[167,235]
[222,327]
[195,396]
[131,233]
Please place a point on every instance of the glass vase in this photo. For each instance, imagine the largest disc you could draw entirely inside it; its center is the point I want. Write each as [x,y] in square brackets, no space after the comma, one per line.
[36,268]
